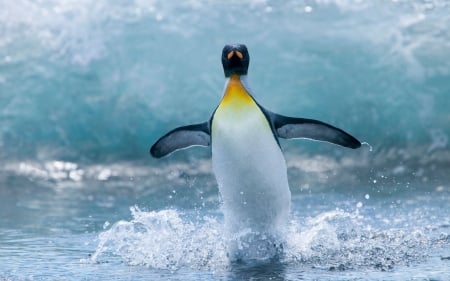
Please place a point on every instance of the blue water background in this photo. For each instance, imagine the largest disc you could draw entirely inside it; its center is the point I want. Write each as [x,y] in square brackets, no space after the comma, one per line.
[96,80]
[87,86]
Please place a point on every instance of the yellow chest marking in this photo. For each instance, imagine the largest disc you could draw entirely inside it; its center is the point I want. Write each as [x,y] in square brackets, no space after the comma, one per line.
[238,116]
[236,96]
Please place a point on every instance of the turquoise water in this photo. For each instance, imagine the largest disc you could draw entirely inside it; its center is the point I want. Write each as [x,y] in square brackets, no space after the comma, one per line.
[86,87]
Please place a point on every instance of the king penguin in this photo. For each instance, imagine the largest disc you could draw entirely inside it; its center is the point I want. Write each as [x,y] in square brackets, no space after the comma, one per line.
[247,160]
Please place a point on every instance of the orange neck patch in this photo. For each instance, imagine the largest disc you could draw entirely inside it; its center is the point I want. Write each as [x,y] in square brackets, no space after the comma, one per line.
[235,94]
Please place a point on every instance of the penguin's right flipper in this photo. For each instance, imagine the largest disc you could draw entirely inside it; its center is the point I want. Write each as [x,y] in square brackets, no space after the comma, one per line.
[182,137]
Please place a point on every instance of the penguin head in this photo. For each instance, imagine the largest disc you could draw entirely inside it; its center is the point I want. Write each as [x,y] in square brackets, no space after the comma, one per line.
[235,59]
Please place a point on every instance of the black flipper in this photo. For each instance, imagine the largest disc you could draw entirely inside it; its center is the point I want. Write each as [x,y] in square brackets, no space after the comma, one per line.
[182,137]
[291,128]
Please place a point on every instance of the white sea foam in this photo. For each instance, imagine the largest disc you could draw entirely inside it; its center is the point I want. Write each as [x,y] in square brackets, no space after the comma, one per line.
[164,240]
[167,239]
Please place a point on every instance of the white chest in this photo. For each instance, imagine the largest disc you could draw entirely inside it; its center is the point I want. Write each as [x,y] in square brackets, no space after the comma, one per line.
[249,167]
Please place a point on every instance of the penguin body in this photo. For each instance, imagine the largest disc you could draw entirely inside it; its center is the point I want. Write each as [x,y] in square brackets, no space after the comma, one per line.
[247,160]
[248,163]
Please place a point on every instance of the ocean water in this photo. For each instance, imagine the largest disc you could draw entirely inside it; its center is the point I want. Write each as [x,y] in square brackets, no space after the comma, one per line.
[87,86]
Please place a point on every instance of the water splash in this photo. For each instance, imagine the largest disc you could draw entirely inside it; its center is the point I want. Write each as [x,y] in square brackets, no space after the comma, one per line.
[333,240]
[164,240]
[368,145]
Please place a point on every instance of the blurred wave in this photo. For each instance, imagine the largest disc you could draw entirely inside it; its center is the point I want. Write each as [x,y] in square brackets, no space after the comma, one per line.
[83,80]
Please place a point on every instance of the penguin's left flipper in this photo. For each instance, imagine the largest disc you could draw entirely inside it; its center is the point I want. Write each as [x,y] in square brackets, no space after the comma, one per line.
[182,137]
[292,128]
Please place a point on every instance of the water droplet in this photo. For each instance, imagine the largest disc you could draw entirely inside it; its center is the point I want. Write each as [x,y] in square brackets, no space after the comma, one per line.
[367,144]
[367,196]
[359,205]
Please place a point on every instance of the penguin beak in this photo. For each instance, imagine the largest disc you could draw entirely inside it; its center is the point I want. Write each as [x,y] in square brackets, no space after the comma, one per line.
[237,53]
